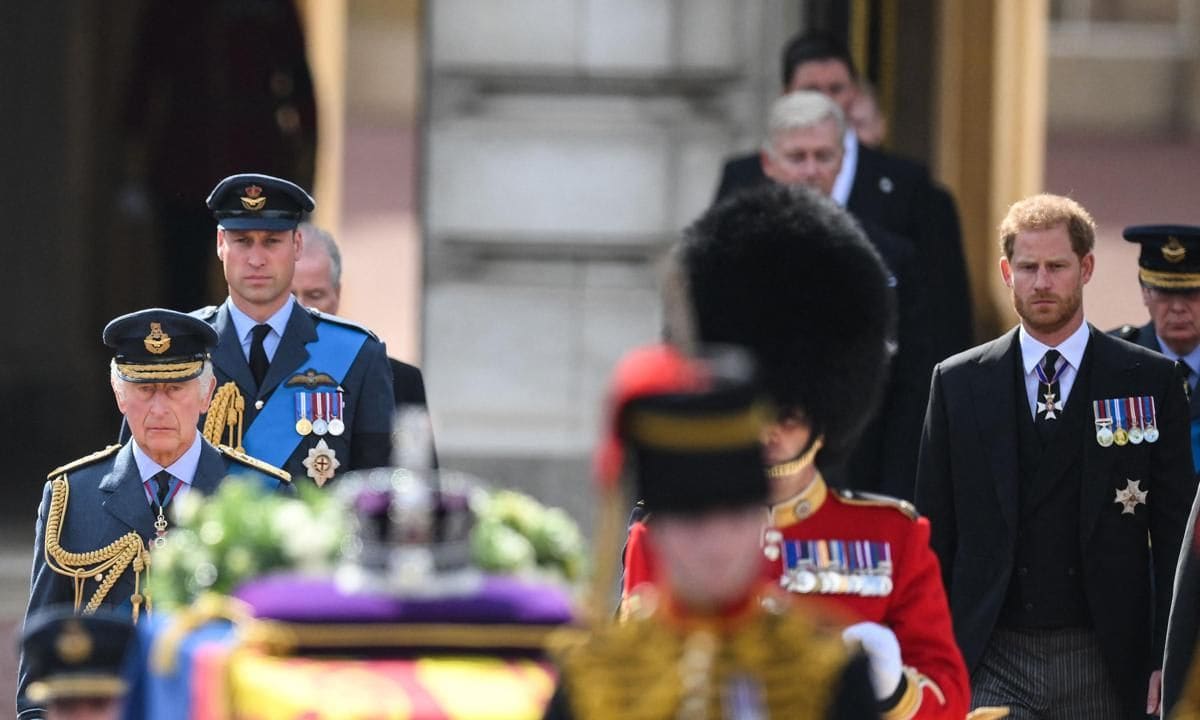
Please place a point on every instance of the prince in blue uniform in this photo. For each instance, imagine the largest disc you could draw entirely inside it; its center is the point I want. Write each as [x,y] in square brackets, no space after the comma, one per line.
[100,513]
[307,391]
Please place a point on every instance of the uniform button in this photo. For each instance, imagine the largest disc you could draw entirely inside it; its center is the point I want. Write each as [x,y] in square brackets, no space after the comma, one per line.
[1022,571]
[1071,572]
[1028,606]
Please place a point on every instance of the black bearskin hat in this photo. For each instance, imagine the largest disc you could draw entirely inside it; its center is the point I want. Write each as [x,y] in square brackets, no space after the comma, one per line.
[791,277]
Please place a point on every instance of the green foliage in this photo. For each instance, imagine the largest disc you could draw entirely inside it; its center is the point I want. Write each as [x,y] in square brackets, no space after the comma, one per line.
[242,531]
[516,533]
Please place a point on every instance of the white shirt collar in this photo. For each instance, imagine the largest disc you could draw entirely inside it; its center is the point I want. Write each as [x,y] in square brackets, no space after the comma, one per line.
[1032,349]
[244,324]
[184,468]
[845,178]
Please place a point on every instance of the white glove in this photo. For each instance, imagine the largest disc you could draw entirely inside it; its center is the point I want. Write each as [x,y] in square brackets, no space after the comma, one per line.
[883,653]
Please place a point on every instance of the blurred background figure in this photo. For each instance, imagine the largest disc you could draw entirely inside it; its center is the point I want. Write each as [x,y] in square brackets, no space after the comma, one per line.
[76,664]
[317,284]
[868,121]
[216,88]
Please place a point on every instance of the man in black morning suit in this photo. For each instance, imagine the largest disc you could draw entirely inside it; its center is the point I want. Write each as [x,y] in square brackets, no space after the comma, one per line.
[803,147]
[1044,470]
[311,392]
[883,188]
[1169,275]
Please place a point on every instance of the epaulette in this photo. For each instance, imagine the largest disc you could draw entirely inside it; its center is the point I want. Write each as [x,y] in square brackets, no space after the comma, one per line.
[83,461]
[854,497]
[255,463]
[205,313]
[326,317]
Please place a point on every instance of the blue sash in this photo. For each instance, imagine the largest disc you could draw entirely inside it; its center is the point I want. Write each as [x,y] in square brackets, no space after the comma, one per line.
[1196,446]
[272,436]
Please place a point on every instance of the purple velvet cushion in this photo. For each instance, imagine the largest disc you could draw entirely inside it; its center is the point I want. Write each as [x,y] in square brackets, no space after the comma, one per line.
[497,600]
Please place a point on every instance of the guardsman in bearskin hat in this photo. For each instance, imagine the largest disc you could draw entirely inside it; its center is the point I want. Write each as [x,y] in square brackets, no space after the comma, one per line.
[789,276]
[100,513]
[298,388]
[713,639]
[76,664]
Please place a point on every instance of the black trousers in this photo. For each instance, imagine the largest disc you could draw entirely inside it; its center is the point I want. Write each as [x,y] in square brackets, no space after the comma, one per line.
[1045,674]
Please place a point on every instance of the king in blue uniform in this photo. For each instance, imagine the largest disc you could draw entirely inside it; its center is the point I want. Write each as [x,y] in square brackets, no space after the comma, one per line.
[100,514]
[307,391]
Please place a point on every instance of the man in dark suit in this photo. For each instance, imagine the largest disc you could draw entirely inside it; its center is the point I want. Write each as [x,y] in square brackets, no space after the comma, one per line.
[312,392]
[1049,456]
[877,186]
[1169,273]
[99,512]
[804,147]
[318,284]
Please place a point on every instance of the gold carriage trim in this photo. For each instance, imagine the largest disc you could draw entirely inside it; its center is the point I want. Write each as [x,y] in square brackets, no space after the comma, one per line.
[283,638]
[225,416]
[712,432]
[161,371]
[1169,280]
[111,560]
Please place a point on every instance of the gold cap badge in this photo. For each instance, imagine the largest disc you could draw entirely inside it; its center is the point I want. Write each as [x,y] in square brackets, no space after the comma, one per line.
[74,645]
[157,342]
[1174,251]
[253,200]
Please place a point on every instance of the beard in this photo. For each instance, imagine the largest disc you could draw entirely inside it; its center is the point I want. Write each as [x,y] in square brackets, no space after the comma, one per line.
[1048,318]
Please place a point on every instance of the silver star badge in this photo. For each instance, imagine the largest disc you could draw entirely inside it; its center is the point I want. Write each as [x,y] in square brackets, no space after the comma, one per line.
[1131,496]
[1051,407]
[321,463]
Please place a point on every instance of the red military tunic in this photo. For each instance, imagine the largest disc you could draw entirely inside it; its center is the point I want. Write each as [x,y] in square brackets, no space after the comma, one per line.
[869,556]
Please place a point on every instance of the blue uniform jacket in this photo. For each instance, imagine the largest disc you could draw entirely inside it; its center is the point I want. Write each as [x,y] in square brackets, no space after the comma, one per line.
[367,387]
[106,500]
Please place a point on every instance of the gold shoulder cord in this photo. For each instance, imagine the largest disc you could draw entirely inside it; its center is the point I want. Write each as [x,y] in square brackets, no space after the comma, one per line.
[225,413]
[112,560]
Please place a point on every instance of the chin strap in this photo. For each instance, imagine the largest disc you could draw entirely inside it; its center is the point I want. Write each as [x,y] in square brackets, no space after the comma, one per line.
[792,467]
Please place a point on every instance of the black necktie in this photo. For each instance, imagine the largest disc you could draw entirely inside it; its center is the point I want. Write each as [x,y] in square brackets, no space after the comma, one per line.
[1049,399]
[163,479]
[258,353]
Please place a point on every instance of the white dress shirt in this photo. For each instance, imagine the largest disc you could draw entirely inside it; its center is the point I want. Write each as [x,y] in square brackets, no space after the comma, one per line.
[1032,352]
[243,324]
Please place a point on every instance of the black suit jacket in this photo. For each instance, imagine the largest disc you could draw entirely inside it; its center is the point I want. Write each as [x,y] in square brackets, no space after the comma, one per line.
[967,485]
[899,195]
[885,459]
[1183,627]
[409,388]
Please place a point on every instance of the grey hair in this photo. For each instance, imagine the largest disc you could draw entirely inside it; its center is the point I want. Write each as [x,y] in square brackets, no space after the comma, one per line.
[802,109]
[325,241]
[205,377]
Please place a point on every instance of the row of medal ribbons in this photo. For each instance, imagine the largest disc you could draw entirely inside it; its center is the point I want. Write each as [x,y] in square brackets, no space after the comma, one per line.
[1127,420]
[320,413]
[844,567]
